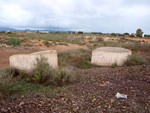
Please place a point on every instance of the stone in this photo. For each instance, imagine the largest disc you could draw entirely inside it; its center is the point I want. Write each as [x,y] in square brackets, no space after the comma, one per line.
[27,62]
[107,56]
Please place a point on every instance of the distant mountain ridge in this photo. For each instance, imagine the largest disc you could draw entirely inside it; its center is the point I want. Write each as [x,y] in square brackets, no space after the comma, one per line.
[7,29]
[29,30]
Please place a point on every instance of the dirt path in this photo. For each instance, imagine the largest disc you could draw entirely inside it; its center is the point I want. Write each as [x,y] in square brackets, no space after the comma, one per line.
[66,48]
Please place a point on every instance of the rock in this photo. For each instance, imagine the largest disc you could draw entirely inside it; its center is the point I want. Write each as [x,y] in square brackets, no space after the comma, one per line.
[107,56]
[21,103]
[27,62]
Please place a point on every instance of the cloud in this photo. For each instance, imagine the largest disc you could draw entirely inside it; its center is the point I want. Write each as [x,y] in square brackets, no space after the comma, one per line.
[86,15]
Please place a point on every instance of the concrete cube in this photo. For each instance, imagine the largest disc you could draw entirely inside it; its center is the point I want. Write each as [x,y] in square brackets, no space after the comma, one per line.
[107,56]
[27,62]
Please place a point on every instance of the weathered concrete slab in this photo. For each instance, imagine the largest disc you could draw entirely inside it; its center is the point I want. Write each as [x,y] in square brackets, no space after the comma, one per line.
[27,62]
[107,56]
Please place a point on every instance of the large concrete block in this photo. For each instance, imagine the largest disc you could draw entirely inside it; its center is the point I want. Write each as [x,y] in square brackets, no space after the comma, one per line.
[27,62]
[107,56]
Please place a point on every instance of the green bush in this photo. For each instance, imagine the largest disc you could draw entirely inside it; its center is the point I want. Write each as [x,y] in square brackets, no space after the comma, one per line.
[132,36]
[46,43]
[13,41]
[126,34]
[135,59]
[113,34]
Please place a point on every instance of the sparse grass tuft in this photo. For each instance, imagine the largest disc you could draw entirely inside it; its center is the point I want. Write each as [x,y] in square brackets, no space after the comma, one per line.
[13,41]
[46,43]
[114,66]
[135,59]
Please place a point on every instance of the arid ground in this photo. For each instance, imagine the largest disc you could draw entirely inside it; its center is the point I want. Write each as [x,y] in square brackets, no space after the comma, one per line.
[95,92]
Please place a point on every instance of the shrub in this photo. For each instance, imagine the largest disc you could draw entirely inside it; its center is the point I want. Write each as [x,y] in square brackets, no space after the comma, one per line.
[46,75]
[46,43]
[100,39]
[63,76]
[126,33]
[80,32]
[5,80]
[132,36]
[13,41]
[5,73]
[137,46]
[54,43]
[113,34]
[82,43]
[135,59]
[9,33]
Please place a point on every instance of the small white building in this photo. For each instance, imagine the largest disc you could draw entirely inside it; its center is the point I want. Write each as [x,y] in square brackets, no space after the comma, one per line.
[142,35]
[43,31]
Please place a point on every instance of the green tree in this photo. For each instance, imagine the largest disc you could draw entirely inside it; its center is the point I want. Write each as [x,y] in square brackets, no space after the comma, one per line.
[138,32]
[126,33]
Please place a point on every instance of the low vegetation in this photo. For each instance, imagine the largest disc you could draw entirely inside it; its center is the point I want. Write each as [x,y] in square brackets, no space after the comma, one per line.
[135,59]
[5,80]
[13,41]
[46,43]
[43,74]
[57,89]
[80,58]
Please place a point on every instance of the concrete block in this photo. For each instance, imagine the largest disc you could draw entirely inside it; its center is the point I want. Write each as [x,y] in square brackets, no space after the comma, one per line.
[107,56]
[27,62]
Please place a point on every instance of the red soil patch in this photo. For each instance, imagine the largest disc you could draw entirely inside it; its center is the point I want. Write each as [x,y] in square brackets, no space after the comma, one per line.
[67,48]
[5,53]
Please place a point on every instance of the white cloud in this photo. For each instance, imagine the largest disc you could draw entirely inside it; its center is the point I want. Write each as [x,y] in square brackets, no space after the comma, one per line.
[89,15]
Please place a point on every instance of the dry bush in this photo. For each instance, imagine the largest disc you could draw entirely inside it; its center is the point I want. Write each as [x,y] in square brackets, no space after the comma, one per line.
[44,74]
[135,59]
[5,81]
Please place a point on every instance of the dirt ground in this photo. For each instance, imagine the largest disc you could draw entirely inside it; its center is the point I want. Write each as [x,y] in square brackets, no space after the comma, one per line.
[96,94]
[141,40]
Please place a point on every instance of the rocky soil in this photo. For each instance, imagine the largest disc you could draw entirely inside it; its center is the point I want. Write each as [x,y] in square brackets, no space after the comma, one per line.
[95,94]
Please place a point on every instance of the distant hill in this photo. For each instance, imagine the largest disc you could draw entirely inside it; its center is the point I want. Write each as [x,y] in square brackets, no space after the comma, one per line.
[52,29]
[7,29]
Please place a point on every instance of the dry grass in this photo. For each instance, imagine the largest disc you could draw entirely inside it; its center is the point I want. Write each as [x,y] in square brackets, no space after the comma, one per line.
[80,58]
[44,74]
[135,59]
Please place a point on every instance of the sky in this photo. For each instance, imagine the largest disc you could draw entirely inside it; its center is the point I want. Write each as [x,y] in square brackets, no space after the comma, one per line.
[107,16]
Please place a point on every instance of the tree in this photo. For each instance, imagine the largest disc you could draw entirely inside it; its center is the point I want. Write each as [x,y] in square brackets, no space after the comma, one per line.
[80,32]
[138,32]
[126,33]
